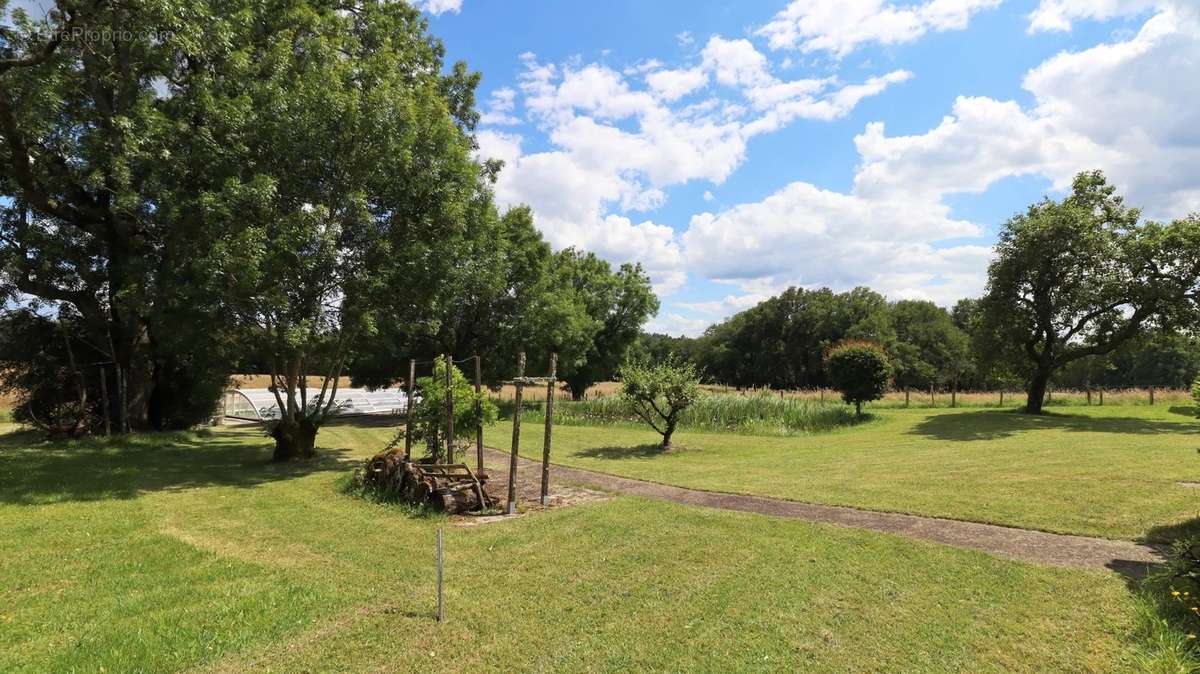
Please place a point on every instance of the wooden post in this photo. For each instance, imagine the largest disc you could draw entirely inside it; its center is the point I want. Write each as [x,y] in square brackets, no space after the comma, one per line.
[1102,396]
[478,413]
[932,400]
[1089,396]
[441,606]
[511,507]
[906,396]
[408,409]
[1151,395]
[1002,397]
[954,393]
[549,426]
[108,408]
[449,409]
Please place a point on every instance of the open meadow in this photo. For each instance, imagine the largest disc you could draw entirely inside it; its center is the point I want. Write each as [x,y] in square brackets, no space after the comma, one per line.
[164,552]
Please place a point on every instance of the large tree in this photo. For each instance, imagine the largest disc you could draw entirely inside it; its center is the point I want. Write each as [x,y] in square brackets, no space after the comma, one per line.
[930,348]
[103,146]
[1081,276]
[356,197]
[616,304]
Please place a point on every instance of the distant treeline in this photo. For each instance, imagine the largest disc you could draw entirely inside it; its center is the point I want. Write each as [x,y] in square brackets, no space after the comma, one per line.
[781,342]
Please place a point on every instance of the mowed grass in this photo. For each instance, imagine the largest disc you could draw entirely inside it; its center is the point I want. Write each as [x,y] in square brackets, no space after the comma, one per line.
[1108,471]
[169,552]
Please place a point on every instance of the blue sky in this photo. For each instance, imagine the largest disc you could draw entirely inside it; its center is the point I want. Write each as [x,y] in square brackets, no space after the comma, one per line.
[737,148]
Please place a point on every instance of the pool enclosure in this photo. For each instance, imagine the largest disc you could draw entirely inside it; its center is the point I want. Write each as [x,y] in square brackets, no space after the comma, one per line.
[259,404]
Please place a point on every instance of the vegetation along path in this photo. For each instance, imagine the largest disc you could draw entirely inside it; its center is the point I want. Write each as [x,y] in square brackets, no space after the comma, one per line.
[1040,547]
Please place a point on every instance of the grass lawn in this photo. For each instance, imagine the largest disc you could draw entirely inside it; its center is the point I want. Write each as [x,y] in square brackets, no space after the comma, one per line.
[1102,471]
[166,552]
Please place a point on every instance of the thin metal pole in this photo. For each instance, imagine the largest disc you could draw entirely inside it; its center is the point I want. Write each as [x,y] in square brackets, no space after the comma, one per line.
[441,606]
[408,409]
[449,409]
[478,413]
[511,506]
[550,386]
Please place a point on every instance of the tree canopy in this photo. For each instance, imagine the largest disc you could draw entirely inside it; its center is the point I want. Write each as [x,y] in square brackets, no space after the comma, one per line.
[1082,276]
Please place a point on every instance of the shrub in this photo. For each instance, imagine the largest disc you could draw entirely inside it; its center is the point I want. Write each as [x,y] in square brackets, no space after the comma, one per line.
[860,371]
[429,413]
[659,393]
[1196,395]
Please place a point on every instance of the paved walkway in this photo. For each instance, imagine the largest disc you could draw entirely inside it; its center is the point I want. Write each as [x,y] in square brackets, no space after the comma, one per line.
[1082,552]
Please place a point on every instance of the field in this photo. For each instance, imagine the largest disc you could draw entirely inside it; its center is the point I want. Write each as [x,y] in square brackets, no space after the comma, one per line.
[177,551]
[1115,472]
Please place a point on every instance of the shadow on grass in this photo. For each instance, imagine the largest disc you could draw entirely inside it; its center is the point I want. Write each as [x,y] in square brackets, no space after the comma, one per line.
[1169,533]
[647,451]
[1183,410]
[34,470]
[995,424]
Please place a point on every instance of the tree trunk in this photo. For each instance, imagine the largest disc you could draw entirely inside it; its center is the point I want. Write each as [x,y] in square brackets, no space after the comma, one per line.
[294,440]
[1037,390]
[666,443]
[857,408]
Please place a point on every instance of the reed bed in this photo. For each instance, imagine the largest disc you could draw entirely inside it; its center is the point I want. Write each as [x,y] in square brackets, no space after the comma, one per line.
[760,414]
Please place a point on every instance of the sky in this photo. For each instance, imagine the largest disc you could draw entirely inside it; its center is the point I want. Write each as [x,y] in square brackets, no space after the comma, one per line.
[737,149]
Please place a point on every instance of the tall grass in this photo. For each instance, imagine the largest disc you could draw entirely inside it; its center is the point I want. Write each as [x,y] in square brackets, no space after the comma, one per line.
[761,414]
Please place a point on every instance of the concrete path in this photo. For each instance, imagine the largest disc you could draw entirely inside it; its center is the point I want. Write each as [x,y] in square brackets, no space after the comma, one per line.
[1082,552]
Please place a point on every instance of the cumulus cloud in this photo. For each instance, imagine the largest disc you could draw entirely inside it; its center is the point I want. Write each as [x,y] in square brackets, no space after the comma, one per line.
[841,26]
[1058,15]
[436,7]
[619,139]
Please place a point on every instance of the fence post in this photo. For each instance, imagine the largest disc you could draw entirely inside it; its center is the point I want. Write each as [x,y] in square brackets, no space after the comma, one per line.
[511,506]
[449,409]
[550,386]
[408,409]
[1002,397]
[441,605]
[478,413]
[1089,396]
[1102,396]
[1151,395]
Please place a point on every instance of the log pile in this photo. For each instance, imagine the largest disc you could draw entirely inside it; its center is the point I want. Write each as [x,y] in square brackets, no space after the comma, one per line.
[450,488]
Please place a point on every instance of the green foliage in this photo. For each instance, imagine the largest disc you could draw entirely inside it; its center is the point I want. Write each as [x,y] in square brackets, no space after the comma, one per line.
[780,343]
[860,371]
[761,414]
[1081,276]
[658,393]
[1196,394]
[429,415]
[930,348]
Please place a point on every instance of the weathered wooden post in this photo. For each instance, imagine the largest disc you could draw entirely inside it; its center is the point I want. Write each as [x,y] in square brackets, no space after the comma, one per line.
[954,393]
[511,506]
[478,413]
[906,396]
[408,409]
[1089,396]
[1002,397]
[932,400]
[550,385]
[1151,395]
[441,606]
[449,409]
[1102,396]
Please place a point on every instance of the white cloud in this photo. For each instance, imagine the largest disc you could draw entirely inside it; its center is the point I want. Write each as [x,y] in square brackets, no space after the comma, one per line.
[617,146]
[1058,15]
[841,26]
[436,7]
[500,108]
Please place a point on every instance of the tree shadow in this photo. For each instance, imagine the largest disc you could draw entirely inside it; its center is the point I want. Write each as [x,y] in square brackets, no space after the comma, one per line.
[1169,533]
[996,424]
[647,451]
[1183,410]
[34,470]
